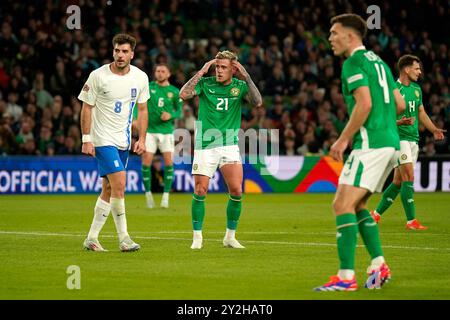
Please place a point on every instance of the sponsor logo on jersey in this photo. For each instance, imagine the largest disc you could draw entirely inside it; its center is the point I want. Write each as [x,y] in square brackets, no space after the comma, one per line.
[417,93]
[195,167]
[153,91]
[169,95]
[86,88]
[133,92]
[404,157]
[235,91]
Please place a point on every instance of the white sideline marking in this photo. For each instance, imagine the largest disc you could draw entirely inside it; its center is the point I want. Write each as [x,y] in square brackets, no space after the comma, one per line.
[35,233]
[295,232]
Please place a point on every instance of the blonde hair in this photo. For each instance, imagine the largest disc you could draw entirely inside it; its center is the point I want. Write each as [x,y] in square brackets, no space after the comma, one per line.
[227,55]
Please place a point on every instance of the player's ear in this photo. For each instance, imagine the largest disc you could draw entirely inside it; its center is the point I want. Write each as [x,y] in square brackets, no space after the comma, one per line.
[132,54]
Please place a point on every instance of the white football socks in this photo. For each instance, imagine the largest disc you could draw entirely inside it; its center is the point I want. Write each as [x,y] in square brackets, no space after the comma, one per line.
[198,234]
[230,234]
[118,213]
[346,274]
[377,262]
[101,212]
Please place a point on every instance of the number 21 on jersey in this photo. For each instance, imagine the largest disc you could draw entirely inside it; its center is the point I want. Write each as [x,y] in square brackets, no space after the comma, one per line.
[222,103]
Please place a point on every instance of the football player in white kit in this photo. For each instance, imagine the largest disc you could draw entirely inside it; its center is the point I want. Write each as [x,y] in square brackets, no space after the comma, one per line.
[109,96]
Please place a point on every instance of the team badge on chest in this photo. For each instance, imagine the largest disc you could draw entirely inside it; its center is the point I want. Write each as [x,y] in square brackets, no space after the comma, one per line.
[133,93]
[235,91]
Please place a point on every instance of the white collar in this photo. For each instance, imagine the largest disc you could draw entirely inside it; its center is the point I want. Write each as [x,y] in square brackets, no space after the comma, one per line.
[357,48]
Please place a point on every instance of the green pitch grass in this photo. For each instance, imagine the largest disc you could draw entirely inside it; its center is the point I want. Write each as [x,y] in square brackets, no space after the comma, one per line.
[289,239]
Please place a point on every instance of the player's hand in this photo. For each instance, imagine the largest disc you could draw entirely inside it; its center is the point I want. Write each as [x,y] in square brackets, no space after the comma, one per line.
[165,116]
[404,121]
[88,148]
[139,147]
[206,66]
[338,148]
[439,134]
[240,69]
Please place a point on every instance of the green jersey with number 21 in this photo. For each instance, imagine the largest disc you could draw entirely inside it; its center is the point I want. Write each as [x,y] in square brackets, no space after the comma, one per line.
[219,114]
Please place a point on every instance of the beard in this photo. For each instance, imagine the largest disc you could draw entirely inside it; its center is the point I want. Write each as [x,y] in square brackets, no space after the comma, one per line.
[121,65]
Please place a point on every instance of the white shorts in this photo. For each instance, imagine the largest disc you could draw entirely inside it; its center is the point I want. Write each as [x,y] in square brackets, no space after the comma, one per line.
[409,151]
[164,142]
[206,161]
[368,169]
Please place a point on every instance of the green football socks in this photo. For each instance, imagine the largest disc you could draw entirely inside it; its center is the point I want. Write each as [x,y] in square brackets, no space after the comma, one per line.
[233,211]
[198,211]
[346,240]
[368,229]
[147,178]
[168,178]
[388,198]
[407,195]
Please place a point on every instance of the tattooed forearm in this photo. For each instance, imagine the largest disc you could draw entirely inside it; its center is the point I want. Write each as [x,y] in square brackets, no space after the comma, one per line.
[253,96]
[188,90]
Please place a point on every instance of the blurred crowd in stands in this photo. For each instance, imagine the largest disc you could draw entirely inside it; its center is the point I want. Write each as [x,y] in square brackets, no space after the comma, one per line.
[282,44]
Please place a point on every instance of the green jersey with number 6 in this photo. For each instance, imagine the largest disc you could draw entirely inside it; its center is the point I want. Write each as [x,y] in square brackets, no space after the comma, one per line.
[413,98]
[365,68]
[162,99]
[219,114]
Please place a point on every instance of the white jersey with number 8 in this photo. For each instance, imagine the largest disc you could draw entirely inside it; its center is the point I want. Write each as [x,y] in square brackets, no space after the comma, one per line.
[114,97]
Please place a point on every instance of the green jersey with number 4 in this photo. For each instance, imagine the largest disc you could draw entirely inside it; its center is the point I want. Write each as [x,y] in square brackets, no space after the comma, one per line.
[219,114]
[162,99]
[413,98]
[365,68]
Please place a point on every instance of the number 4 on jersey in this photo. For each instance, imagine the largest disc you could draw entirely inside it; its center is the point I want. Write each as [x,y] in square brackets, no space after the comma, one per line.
[382,81]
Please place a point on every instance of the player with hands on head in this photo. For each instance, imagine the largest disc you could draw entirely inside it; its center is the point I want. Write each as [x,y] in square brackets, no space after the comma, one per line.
[216,137]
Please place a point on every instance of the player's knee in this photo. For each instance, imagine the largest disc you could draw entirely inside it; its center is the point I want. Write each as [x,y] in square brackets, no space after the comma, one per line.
[118,189]
[341,206]
[106,192]
[408,177]
[201,190]
[235,191]
[146,159]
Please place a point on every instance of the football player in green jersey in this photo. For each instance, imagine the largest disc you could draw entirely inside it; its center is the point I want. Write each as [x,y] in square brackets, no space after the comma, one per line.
[219,119]
[164,106]
[373,102]
[408,127]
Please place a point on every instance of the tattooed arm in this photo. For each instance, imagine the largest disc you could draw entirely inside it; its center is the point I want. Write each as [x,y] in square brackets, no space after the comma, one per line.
[253,96]
[188,90]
